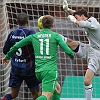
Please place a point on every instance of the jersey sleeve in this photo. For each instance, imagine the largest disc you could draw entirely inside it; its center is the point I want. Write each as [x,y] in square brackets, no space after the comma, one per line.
[7,45]
[32,32]
[64,46]
[91,23]
[23,42]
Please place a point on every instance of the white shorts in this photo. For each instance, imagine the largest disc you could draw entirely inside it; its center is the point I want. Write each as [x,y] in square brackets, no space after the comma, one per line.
[92,68]
[90,54]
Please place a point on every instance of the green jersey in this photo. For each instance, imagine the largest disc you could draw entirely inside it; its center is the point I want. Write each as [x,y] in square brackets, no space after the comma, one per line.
[45,45]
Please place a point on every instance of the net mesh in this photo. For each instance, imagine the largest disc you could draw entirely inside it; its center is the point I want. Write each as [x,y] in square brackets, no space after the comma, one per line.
[70,72]
[87,3]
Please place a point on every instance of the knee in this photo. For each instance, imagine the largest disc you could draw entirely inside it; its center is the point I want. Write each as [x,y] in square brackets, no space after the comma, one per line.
[14,95]
[36,93]
[14,92]
[87,81]
[58,88]
[42,97]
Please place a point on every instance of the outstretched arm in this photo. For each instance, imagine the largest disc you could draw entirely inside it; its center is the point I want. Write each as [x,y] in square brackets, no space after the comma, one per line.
[71,11]
[66,8]
[23,42]
[4,61]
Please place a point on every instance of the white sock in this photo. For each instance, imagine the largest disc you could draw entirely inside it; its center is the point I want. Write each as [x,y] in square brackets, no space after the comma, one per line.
[88,91]
[80,52]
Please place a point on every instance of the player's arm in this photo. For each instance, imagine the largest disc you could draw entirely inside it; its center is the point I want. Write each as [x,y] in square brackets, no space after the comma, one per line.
[73,19]
[32,32]
[83,24]
[91,24]
[64,46]
[23,42]
[71,11]
[66,8]
[7,45]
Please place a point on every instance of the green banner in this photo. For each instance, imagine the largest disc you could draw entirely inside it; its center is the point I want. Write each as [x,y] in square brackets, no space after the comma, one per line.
[73,87]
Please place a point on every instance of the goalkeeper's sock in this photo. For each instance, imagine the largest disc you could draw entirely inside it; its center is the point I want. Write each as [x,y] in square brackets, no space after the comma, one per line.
[7,97]
[56,96]
[76,50]
[88,91]
[42,97]
[79,51]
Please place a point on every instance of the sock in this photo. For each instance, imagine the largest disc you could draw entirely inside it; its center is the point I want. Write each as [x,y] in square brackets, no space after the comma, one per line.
[7,97]
[79,51]
[42,97]
[56,96]
[88,91]
[76,50]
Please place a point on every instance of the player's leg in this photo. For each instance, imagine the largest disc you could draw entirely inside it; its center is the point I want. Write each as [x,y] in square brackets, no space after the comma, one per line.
[82,51]
[87,82]
[49,79]
[85,51]
[14,92]
[14,82]
[74,45]
[93,65]
[35,93]
[34,85]
[56,94]
[7,97]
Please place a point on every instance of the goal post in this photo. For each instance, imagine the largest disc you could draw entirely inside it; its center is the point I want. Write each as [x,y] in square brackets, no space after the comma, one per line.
[71,72]
[4,26]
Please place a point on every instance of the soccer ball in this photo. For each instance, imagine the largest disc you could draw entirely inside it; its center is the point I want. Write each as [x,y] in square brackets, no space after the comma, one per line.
[40,22]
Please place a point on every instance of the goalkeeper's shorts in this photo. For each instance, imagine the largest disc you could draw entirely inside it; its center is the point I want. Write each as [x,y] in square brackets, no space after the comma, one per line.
[92,55]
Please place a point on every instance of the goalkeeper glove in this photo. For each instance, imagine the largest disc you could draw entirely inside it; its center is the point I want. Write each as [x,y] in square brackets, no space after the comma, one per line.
[72,18]
[65,6]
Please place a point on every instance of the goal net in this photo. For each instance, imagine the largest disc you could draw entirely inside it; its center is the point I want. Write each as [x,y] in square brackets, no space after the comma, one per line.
[71,73]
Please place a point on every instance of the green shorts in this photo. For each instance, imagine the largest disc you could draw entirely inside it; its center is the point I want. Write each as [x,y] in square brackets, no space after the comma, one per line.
[48,79]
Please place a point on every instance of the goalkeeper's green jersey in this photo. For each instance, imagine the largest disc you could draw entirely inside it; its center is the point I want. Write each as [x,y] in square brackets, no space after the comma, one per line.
[45,45]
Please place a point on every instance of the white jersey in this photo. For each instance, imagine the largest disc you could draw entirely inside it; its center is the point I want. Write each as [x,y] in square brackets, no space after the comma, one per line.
[93,31]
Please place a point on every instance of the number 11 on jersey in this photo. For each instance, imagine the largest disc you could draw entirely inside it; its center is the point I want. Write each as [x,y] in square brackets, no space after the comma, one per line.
[41,46]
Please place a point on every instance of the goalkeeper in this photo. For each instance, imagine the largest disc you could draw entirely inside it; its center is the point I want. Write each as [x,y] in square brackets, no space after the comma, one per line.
[45,45]
[89,51]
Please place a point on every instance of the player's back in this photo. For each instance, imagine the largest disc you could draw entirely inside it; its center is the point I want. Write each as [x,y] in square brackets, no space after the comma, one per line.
[94,32]
[45,45]
[92,27]
[24,57]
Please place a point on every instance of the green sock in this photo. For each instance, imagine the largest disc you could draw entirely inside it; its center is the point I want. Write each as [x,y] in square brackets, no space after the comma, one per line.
[42,97]
[56,96]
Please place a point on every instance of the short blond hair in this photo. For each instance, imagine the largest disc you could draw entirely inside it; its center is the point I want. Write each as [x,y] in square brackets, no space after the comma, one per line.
[47,21]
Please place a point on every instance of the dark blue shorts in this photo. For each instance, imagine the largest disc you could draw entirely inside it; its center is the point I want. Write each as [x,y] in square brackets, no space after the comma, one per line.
[16,80]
